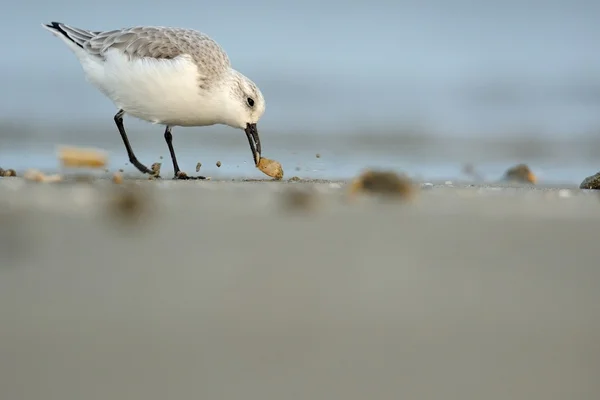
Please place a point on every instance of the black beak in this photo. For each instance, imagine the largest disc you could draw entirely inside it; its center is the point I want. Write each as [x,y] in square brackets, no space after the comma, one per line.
[254,141]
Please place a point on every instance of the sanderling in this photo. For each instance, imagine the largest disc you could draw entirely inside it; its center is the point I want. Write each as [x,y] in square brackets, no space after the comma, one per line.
[168,76]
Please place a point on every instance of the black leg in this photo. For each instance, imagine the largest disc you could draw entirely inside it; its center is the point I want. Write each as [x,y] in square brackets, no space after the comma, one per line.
[169,140]
[178,173]
[132,158]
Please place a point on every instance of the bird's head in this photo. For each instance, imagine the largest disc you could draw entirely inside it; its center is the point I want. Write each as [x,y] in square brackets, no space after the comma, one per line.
[244,105]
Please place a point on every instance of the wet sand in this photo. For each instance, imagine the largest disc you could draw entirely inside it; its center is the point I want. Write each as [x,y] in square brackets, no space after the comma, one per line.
[218,290]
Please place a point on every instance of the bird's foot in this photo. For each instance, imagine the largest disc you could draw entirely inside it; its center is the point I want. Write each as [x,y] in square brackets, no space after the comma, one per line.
[180,175]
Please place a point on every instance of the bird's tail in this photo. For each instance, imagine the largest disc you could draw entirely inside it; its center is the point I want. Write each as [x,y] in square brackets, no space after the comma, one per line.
[72,36]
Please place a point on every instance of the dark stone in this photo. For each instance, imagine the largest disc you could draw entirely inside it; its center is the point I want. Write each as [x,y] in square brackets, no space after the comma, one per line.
[591,182]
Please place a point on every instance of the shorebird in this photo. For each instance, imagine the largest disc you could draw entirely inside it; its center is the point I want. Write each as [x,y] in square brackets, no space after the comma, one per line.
[168,76]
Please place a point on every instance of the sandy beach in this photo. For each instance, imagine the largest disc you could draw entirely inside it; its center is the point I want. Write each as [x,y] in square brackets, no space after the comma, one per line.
[462,286]
[225,289]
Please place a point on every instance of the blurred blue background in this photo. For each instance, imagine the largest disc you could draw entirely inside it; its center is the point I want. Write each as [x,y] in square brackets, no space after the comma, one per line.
[421,82]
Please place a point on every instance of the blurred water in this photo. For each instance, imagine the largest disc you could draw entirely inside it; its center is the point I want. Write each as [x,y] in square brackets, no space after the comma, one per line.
[449,68]
[455,67]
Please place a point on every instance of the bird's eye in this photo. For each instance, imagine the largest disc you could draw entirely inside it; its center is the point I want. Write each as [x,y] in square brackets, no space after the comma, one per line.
[250,102]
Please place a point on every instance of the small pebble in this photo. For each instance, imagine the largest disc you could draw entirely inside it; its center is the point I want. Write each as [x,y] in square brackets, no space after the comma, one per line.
[78,157]
[218,164]
[386,183]
[591,182]
[117,178]
[156,168]
[520,173]
[318,155]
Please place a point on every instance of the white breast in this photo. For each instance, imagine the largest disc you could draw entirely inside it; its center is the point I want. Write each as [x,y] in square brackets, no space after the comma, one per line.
[157,90]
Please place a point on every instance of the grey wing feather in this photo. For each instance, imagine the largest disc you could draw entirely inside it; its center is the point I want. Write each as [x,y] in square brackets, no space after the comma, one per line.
[161,43]
[76,35]
[151,42]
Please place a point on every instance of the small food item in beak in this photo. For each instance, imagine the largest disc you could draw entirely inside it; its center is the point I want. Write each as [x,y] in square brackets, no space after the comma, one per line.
[270,167]
[80,158]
